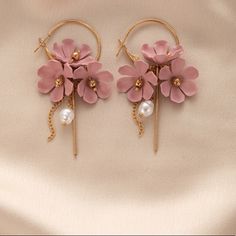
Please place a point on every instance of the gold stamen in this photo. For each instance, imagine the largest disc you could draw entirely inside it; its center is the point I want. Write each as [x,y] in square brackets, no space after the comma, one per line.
[139,83]
[59,81]
[92,84]
[176,82]
[76,55]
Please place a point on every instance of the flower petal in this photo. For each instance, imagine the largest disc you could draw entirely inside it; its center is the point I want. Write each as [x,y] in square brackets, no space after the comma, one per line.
[148,52]
[176,95]
[93,68]
[45,85]
[128,70]
[104,76]
[85,50]
[89,95]
[165,88]
[58,52]
[147,91]
[150,77]
[190,73]
[80,73]
[175,52]
[68,46]
[165,73]
[177,66]
[81,87]
[161,59]
[141,67]
[57,94]
[125,83]
[135,95]
[103,90]
[189,87]
[161,47]
[68,87]
[51,70]
[68,72]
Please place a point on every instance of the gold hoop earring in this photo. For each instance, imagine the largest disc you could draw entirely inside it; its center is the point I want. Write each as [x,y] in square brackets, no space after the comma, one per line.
[142,81]
[71,69]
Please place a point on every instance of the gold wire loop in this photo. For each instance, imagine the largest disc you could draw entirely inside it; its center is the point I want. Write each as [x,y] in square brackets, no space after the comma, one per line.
[134,57]
[43,42]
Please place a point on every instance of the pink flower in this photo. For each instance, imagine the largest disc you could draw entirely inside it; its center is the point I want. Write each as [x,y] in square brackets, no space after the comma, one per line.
[178,81]
[93,84]
[68,52]
[137,82]
[161,52]
[54,79]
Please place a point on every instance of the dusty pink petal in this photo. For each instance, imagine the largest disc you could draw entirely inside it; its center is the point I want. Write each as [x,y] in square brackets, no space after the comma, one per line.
[161,47]
[103,90]
[189,87]
[165,88]
[147,91]
[81,87]
[93,68]
[51,70]
[148,52]
[141,67]
[190,73]
[85,50]
[165,73]
[125,83]
[57,94]
[83,62]
[68,87]
[68,47]
[80,73]
[45,85]
[175,52]
[128,70]
[135,95]
[58,52]
[150,77]
[176,95]
[161,59]
[177,66]
[68,72]
[104,76]
[89,95]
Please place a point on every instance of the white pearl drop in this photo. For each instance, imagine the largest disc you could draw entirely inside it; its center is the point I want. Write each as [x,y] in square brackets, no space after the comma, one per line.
[66,116]
[146,108]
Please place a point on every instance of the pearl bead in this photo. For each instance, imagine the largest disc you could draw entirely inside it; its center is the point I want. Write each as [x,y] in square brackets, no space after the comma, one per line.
[66,116]
[146,108]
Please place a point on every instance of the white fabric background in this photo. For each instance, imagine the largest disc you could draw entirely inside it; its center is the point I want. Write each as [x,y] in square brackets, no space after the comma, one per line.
[118,186]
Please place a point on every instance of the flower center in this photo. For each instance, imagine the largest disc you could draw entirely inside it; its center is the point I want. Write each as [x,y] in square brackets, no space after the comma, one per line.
[176,81]
[139,83]
[153,68]
[92,84]
[75,55]
[59,81]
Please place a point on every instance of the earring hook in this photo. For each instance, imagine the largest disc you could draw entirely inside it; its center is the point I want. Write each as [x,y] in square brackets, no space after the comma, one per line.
[130,30]
[43,42]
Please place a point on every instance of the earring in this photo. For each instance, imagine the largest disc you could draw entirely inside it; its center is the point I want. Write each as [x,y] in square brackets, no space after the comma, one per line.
[161,68]
[71,70]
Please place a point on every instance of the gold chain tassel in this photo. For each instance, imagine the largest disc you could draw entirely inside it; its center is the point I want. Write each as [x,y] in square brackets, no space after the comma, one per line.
[137,120]
[50,120]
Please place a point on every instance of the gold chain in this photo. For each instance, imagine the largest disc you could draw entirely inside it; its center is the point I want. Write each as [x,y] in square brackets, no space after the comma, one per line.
[50,120]
[138,122]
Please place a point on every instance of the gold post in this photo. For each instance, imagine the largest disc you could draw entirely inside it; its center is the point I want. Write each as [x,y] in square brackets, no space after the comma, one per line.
[74,128]
[156,120]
